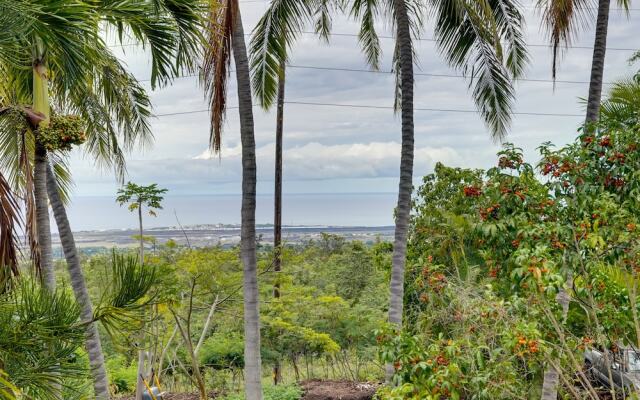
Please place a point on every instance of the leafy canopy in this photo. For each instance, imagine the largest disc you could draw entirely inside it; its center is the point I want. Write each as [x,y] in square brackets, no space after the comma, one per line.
[138,196]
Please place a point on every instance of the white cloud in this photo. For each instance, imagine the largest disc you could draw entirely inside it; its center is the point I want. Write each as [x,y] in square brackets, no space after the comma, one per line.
[358,145]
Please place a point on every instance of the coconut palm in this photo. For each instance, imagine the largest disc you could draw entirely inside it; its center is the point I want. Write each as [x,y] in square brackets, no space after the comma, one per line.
[563,20]
[483,39]
[226,37]
[66,63]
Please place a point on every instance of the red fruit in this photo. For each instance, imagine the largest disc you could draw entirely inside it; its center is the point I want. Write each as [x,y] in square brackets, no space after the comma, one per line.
[605,141]
[472,191]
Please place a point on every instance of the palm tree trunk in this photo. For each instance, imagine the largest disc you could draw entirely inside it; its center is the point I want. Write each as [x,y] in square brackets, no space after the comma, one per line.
[42,217]
[141,231]
[92,344]
[406,168]
[41,106]
[277,212]
[253,362]
[551,375]
[597,62]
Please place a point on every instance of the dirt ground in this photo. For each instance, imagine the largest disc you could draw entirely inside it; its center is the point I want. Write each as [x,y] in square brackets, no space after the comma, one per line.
[313,390]
[338,390]
[177,396]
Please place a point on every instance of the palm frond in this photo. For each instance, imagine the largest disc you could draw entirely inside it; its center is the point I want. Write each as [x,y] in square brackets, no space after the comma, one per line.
[469,35]
[622,106]
[39,339]
[128,293]
[17,19]
[66,29]
[12,127]
[31,225]
[150,28]
[366,11]
[323,17]
[511,26]
[215,68]
[563,19]
[275,32]
[9,242]
[187,16]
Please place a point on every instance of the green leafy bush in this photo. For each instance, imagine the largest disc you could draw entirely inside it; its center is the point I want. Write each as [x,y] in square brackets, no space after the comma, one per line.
[121,375]
[279,392]
[223,351]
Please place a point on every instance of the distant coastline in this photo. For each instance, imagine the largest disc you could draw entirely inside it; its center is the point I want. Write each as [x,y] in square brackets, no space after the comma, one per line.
[226,235]
[98,213]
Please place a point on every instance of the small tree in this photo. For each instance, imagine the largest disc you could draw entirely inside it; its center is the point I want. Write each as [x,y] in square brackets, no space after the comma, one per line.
[138,197]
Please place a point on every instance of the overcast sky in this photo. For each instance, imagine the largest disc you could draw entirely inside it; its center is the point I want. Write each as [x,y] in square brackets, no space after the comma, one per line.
[340,149]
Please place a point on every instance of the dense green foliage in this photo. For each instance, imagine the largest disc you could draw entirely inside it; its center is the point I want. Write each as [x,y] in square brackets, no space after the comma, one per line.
[333,298]
[492,262]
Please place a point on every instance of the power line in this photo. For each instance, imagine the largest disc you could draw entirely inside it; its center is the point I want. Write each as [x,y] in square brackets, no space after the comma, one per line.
[370,71]
[374,107]
[527,7]
[418,39]
[433,40]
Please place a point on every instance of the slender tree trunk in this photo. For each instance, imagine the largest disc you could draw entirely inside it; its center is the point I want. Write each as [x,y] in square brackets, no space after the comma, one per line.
[551,375]
[277,212]
[141,353]
[253,362]
[78,283]
[41,106]
[597,62]
[141,232]
[207,325]
[164,351]
[406,168]
[42,217]
[140,372]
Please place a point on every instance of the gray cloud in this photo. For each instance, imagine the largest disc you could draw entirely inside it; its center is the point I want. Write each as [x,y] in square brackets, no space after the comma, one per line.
[346,148]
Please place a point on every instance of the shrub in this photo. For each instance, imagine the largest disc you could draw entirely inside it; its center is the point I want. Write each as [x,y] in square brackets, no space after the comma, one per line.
[279,392]
[121,375]
[223,351]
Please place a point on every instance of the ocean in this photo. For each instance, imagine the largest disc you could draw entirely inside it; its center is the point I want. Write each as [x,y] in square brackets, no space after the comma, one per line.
[87,213]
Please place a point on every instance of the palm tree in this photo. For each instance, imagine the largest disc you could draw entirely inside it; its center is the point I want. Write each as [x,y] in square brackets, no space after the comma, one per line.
[483,39]
[226,36]
[563,19]
[277,203]
[63,42]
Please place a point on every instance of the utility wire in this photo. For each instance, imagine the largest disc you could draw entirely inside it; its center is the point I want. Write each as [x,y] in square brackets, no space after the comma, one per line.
[433,40]
[370,71]
[418,39]
[374,107]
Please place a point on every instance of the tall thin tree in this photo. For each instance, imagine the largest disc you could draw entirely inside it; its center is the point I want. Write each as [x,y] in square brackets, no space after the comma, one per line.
[277,203]
[484,39]
[563,20]
[226,38]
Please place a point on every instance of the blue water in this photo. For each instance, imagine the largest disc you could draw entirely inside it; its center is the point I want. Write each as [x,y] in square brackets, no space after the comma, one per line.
[370,209]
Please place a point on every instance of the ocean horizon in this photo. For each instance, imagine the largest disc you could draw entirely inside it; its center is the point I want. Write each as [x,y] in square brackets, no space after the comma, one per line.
[91,213]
